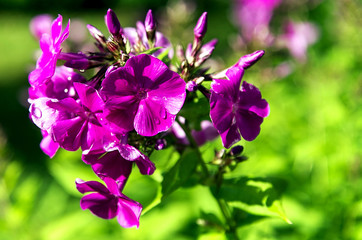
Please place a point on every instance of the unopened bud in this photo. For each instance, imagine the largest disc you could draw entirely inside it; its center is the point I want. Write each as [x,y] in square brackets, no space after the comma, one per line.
[237,150]
[97,35]
[191,86]
[150,23]
[249,59]
[112,22]
[205,52]
[160,144]
[113,47]
[201,26]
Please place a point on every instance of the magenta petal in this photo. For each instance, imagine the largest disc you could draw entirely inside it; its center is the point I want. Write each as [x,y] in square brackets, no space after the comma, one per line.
[119,82]
[250,99]
[230,136]
[89,97]
[129,152]
[248,124]
[110,165]
[103,206]
[118,120]
[68,133]
[48,146]
[90,186]
[129,212]
[151,118]
[145,165]
[231,86]
[221,112]
[147,70]
[42,114]
[171,92]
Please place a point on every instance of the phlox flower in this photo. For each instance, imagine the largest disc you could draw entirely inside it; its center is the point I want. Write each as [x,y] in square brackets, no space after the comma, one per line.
[143,95]
[50,45]
[236,111]
[109,202]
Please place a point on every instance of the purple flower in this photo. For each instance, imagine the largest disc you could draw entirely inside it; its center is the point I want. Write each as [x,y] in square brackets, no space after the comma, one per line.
[254,16]
[297,37]
[41,24]
[143,95]
[109,202]
[236,111]
[50,46]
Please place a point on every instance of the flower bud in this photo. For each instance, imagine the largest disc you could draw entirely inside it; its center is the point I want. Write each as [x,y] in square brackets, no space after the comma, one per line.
[75,60]
[237,150]
[205,52]
[112,22]
[201,26]
[97,35]
[191,86]
[249,59]
[150,27]
[150,23]
[160,144]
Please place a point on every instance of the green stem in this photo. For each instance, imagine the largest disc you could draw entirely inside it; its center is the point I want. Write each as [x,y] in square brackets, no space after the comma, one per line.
[194,145]
[228,217]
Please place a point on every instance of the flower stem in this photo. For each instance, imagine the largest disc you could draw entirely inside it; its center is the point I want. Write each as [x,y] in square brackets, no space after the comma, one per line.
[194,145]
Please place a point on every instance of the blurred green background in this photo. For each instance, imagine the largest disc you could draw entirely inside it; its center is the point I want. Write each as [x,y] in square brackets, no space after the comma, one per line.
[312,138]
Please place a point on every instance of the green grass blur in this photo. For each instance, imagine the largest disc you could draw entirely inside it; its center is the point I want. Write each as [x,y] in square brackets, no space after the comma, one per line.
[312,138]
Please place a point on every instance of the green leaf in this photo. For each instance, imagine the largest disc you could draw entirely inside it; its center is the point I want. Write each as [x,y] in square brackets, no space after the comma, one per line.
[150,51]
[164,56]
[180,172]
[258,196]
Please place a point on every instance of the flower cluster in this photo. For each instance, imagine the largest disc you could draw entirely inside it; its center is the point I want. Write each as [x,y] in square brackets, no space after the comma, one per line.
[118,102]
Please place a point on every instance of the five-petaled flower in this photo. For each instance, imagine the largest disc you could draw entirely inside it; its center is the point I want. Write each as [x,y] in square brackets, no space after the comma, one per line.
[109,202]
[236,111]
[144,95]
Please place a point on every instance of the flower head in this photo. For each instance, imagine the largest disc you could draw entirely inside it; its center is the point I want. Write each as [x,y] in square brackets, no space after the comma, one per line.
[143,95]
[236,111]
[109,202]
